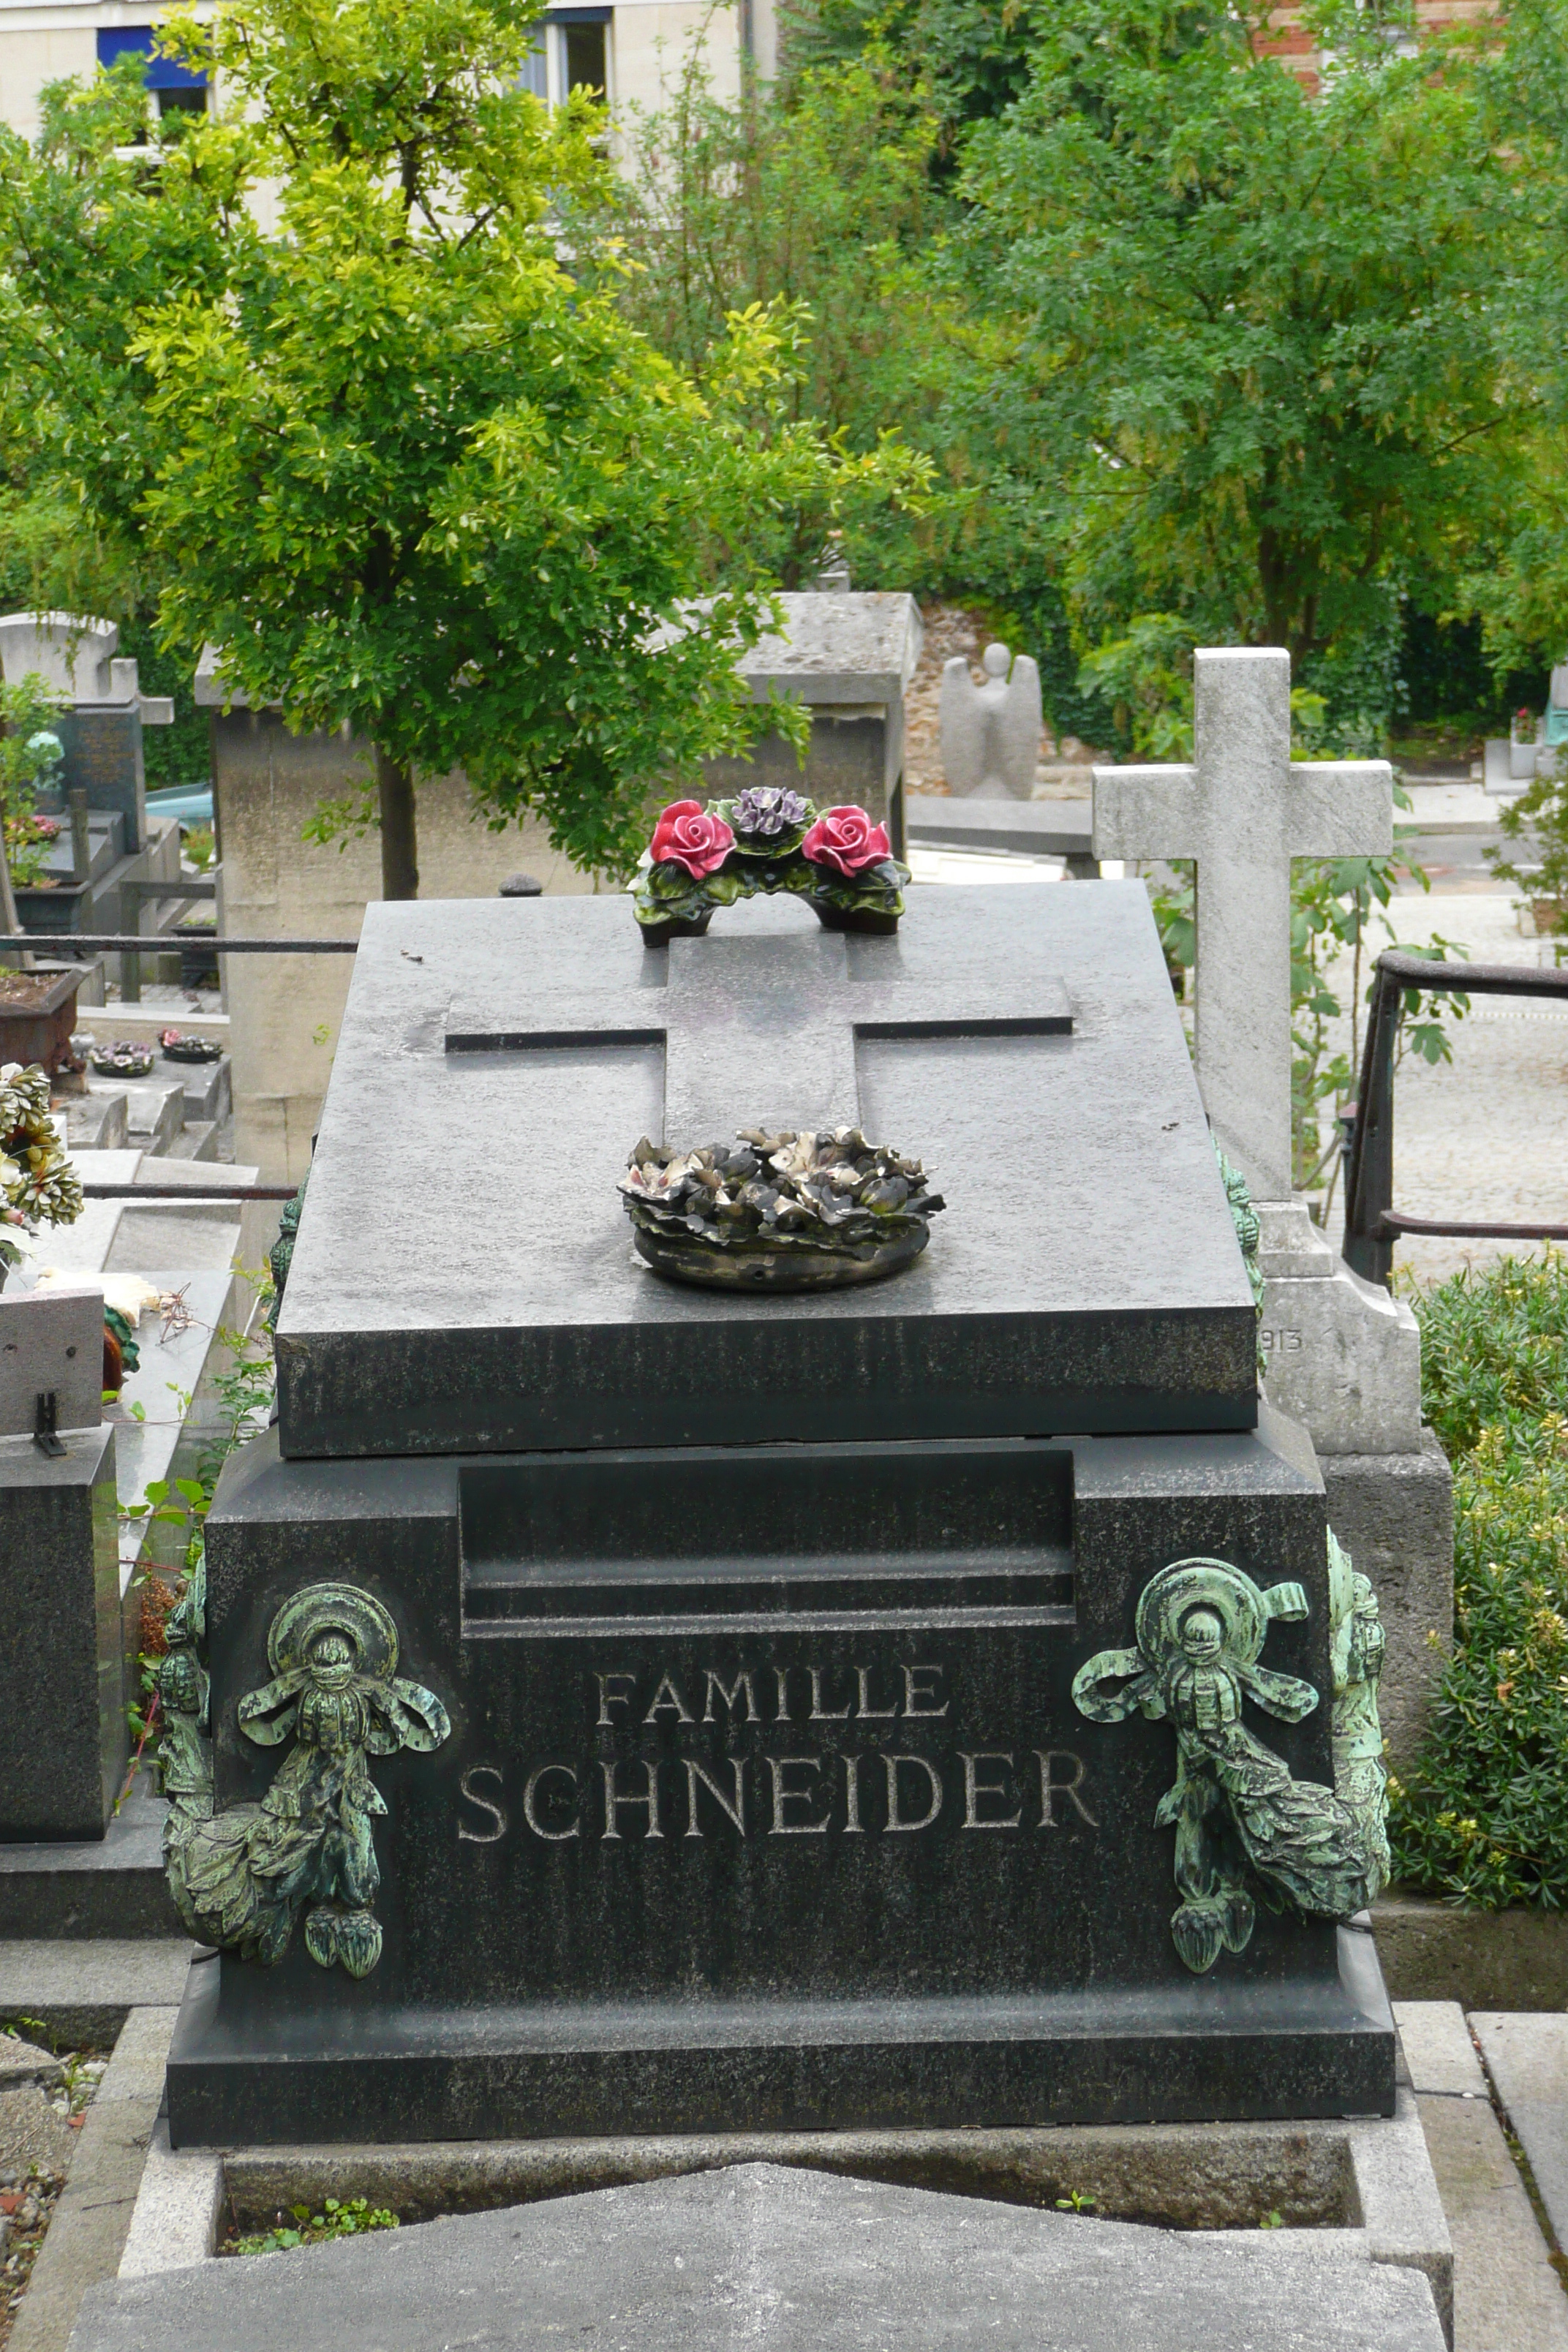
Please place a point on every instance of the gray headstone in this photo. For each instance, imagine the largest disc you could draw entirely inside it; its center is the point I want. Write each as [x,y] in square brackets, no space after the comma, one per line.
[850,659]
[760,2254]
[63,1736]
[51,1344]
[1244,809]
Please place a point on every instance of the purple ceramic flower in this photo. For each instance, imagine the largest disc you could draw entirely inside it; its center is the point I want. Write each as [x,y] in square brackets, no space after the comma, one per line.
[764,811]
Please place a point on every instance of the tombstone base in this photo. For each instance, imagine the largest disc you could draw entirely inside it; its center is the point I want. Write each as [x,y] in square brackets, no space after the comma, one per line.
[1393,1513]
[1209,2051]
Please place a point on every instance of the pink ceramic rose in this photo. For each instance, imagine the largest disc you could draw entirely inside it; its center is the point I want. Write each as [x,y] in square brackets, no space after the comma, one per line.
[846,838]
[686,835]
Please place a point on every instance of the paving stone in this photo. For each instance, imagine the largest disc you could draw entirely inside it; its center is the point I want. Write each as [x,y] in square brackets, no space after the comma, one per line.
[88,2232]
[1507,2295]
[1527,2058]
[761,2254]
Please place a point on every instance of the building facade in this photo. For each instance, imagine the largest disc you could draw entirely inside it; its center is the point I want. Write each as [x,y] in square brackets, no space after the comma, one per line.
[629,51]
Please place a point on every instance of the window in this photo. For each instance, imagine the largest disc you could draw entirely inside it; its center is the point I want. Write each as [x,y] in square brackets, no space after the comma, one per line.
[583,60]
[573,50]
[535,73]
[175,87]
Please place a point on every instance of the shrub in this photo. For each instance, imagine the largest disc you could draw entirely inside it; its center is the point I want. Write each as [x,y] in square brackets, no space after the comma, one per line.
[1483,1816]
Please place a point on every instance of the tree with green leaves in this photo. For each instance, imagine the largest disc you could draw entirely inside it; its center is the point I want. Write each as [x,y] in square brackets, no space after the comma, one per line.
[387,454]
[1263,365]
[815,213]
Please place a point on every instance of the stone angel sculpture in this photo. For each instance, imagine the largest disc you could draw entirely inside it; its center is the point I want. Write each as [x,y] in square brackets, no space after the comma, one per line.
[991,733]
[242,1877]
[1241,1820]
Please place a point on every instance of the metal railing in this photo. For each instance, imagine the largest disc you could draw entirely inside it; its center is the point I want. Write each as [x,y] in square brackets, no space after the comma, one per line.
[137,944]
[140,896]
[149,942]
[1373,1225]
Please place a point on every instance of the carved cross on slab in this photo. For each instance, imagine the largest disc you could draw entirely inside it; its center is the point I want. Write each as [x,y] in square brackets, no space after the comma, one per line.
[1244,810]
[763,1029]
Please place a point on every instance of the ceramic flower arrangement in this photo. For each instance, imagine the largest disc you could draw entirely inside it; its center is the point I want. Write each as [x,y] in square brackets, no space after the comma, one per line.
[767,838]
[38,1186]
[778,1212]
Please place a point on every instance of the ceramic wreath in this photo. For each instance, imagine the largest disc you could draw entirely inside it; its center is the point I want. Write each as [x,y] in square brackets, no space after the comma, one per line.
[767,838]
[784,1210]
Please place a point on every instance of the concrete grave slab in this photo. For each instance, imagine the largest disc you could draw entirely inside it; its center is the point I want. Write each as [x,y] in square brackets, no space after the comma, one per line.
[758,2253]
[1527,2058]
[87,2233]
[111,1887]
[519,1316]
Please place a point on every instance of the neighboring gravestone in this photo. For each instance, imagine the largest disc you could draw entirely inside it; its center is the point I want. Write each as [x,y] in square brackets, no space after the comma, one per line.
[63,1731]
[101,729]
[850,658]
[1343,1357]
[991,733]
[759,2254]
[639,1709]
[1244,810]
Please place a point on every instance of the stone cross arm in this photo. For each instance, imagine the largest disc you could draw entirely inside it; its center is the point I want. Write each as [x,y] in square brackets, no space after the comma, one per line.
[1330,808]
[1242,809]
[765,1029]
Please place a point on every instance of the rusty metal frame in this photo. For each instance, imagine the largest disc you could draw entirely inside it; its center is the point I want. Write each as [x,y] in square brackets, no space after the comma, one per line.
[1373,1225]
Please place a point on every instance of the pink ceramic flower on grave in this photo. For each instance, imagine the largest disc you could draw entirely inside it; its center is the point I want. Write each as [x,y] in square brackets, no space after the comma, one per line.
[846,838]
[686,835]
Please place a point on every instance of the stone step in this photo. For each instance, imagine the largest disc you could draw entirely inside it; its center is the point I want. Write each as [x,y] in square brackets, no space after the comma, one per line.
[98,1121]
[196,1141]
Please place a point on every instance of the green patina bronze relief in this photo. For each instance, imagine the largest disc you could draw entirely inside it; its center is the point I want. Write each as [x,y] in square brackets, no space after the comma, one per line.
[242,1878]
[1246,1829]
[1355,1654]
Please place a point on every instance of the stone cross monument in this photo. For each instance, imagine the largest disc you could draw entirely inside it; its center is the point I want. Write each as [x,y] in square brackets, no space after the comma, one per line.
[1244,809]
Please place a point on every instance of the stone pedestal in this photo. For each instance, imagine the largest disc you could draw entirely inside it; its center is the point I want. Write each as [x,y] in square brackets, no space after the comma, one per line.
[850,658]
[737,1676]
[1344,1359]
[63,1732]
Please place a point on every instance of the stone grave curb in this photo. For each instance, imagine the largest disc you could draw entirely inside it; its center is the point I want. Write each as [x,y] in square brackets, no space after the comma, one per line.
[85,1991]
[87,2236]
[1352,2187]
[1509,1960]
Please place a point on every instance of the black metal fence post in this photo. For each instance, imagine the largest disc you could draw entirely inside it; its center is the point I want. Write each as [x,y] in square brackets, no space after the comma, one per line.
[1373,1225]
[1369,1179]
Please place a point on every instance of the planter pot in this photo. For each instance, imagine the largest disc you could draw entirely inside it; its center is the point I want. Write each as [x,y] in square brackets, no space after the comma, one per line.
[38,1014]
[59,909]
[1522,760]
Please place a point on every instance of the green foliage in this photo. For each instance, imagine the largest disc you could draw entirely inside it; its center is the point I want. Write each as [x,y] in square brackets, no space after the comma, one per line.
[1481,1818]
[347,2217]
[408,474]
[1255,350]
[29,755]
[810,216]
